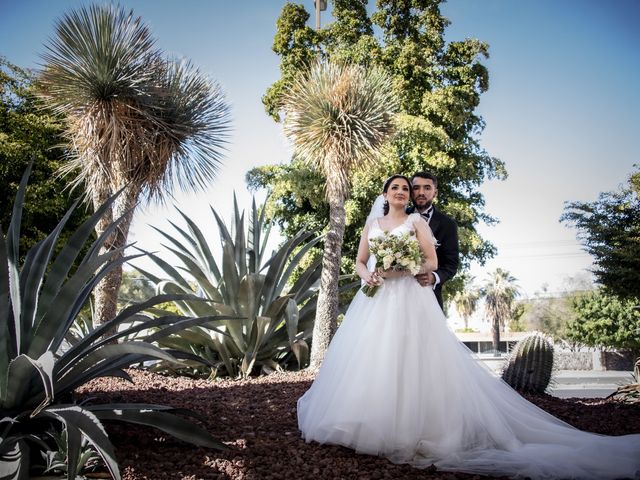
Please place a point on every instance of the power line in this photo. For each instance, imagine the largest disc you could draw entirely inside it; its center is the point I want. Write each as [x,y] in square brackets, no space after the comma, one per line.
[542,242]
[543,255]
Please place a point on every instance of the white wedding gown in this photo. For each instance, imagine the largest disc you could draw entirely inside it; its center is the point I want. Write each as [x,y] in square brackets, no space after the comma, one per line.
[396,382]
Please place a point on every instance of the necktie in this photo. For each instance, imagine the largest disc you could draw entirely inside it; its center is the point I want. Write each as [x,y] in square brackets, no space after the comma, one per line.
[427,214]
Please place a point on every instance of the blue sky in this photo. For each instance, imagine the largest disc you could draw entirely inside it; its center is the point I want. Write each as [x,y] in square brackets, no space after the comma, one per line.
[562,111]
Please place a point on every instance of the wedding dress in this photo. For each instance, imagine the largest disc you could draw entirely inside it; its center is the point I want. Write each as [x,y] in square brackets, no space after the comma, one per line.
[396,382]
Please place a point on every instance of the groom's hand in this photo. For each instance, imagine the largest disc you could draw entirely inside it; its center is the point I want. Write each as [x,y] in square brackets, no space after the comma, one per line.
[426,279]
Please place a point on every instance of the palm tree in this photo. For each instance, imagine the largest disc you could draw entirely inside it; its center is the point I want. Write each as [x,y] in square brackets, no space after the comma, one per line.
[135,120]
[466,301]
[499,292]
[337,116]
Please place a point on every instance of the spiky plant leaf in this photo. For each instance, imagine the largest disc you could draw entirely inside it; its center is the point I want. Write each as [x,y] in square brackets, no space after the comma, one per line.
[78,421]
[39,366]
[247,289]
[159,417]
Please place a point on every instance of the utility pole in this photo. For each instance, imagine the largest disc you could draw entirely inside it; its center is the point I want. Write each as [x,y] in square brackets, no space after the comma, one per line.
[321,6]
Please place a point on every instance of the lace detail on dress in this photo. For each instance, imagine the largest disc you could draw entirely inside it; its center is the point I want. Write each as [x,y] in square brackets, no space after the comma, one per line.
[375,230]
[409,224]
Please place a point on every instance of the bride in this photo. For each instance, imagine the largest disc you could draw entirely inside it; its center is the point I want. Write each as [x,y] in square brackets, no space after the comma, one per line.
[396,382]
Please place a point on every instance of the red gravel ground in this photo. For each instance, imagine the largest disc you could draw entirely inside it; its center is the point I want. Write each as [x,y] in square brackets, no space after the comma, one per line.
[256,418]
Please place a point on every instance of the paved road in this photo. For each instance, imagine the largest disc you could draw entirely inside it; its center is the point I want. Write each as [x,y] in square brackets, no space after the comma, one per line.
[585,392]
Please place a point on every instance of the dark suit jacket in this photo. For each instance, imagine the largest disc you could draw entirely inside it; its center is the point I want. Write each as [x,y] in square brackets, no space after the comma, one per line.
[445,230]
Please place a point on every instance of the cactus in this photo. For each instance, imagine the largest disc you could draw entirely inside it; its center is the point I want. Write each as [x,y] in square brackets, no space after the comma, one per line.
[530,365]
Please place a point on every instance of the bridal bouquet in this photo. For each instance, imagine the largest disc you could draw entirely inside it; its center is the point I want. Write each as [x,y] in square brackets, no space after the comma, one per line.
[398,253]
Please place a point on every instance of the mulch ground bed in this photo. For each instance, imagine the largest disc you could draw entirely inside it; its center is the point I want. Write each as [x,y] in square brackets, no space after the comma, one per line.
[256,419]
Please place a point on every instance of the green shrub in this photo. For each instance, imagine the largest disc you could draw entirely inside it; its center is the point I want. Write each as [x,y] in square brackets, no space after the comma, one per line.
[605,321]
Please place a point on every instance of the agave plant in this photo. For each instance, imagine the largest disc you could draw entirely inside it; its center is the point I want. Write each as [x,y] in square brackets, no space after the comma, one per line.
[41,363]
[278,312]
[56,461]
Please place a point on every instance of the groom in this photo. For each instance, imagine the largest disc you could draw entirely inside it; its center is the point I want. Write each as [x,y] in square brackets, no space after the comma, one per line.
[444,228]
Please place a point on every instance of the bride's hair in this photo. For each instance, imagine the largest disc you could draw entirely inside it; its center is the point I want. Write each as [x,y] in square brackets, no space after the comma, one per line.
[385,187]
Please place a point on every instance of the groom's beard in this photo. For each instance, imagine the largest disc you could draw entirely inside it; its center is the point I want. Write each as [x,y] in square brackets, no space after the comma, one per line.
[422,208]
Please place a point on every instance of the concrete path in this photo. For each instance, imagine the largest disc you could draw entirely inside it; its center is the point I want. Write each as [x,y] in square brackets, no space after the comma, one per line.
[588,383]
[574,383]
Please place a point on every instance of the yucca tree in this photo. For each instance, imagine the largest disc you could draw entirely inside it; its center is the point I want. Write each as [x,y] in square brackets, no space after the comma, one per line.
[466,301]
[499,292]
[337,116]
[134,119]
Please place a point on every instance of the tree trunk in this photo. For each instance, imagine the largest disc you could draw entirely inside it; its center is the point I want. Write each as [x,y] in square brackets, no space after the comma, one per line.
[496,337]
[106,291]
[327,308]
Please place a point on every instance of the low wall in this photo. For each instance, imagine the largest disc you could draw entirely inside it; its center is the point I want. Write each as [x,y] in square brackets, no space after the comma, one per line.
[567,360]
[617,360]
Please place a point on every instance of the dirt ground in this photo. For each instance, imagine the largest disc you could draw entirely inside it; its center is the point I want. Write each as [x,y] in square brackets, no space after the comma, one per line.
[256,419]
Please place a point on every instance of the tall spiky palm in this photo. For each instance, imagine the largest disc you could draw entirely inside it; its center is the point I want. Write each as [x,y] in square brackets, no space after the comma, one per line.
[338,116]
[466,301]
[135,120]
[500,290]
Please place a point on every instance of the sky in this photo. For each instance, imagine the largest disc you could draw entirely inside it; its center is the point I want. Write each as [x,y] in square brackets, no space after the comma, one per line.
[562,110]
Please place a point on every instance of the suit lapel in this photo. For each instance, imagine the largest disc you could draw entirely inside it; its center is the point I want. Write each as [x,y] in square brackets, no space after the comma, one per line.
[435,222]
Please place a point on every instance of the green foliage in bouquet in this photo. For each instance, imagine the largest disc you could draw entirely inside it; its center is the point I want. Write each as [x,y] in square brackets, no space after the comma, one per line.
[42,362]
[277,311]
[530,365]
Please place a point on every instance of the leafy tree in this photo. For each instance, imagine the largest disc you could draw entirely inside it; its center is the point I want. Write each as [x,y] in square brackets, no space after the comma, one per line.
[136,121]
[516,320]
[605,322]
[338,116]
[438,130]
[609,230]
[466,301]
[499,292]
[549,312]
[29,131]
[134,288]
[549,315]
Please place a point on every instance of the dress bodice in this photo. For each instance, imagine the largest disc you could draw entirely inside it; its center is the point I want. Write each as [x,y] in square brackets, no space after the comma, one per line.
[407,226]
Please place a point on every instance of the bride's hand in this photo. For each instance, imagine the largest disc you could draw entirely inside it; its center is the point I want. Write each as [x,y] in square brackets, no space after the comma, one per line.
[392,273]
[373,279]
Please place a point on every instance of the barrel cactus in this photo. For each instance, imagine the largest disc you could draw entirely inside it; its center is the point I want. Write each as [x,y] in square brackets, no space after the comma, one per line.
[530,365]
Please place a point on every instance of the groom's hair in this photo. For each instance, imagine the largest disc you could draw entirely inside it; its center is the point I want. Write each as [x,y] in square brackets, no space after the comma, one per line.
[426,176]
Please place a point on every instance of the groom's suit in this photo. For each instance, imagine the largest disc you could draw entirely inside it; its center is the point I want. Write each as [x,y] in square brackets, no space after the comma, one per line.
[445,230]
